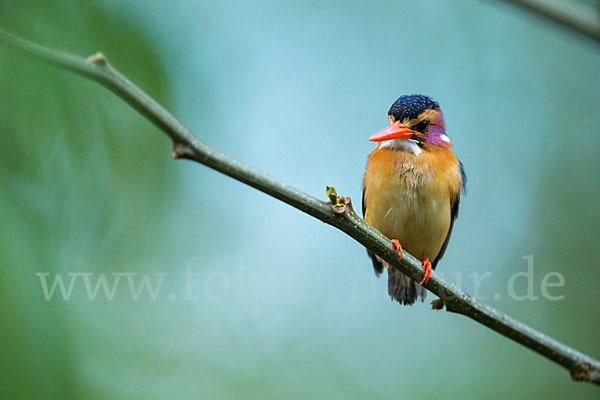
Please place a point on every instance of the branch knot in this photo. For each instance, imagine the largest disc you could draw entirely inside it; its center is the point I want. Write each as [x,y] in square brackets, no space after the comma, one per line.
[181,150]
[582,371]
[339,204]
[98,59]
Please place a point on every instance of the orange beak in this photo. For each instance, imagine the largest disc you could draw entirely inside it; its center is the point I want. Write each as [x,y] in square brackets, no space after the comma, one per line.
[394,131]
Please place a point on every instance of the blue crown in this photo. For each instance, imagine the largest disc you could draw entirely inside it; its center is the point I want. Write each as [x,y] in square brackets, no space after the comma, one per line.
[411,106]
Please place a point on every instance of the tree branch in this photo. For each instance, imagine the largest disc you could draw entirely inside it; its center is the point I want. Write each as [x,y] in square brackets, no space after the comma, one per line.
[570,15]
[338,213]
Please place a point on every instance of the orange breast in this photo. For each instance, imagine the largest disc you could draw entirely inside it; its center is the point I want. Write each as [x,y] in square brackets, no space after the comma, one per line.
[408,197]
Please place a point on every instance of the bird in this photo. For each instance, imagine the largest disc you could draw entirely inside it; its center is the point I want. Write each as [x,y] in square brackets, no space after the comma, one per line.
[411,190]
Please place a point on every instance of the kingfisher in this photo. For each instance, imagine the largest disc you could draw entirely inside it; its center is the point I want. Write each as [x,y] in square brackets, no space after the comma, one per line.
[411,189]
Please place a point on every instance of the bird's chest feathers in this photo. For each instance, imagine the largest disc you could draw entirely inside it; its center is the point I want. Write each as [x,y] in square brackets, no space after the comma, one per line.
[409,196]
[406,193]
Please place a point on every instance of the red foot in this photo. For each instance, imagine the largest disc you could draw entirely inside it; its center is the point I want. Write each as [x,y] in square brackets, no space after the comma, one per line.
[398,248]
[427,275]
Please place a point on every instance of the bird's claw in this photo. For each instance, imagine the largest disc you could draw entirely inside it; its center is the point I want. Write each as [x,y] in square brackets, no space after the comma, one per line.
[427,275]
[398,248]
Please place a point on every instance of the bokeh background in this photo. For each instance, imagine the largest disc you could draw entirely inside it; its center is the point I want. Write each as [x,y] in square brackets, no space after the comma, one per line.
[282,305]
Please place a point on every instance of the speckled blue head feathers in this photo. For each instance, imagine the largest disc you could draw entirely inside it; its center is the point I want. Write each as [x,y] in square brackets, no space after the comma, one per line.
[411,106]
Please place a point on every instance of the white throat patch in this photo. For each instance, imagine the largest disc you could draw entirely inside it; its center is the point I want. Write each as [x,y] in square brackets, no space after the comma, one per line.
[408,145]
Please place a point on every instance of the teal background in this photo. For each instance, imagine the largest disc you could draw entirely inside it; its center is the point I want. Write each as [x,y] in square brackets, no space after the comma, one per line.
[284,305]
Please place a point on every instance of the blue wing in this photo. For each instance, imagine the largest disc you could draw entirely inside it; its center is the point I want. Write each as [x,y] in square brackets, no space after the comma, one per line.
[453,214]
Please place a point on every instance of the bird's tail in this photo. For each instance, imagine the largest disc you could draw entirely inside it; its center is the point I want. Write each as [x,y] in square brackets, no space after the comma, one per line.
[403,289]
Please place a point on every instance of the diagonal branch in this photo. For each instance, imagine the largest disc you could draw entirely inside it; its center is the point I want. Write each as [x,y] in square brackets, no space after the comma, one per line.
[578,18]
[339,214]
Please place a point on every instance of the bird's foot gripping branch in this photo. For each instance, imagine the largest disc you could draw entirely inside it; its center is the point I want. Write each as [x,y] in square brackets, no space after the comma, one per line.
[188,146]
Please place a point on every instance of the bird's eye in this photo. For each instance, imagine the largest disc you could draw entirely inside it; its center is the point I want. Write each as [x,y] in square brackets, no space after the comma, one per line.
[421,126]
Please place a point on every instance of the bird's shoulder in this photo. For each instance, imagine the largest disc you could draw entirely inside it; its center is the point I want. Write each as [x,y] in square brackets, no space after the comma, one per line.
[445,170]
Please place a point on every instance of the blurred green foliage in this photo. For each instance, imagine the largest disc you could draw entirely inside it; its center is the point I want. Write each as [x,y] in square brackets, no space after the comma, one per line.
[285,305]
[81,178]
